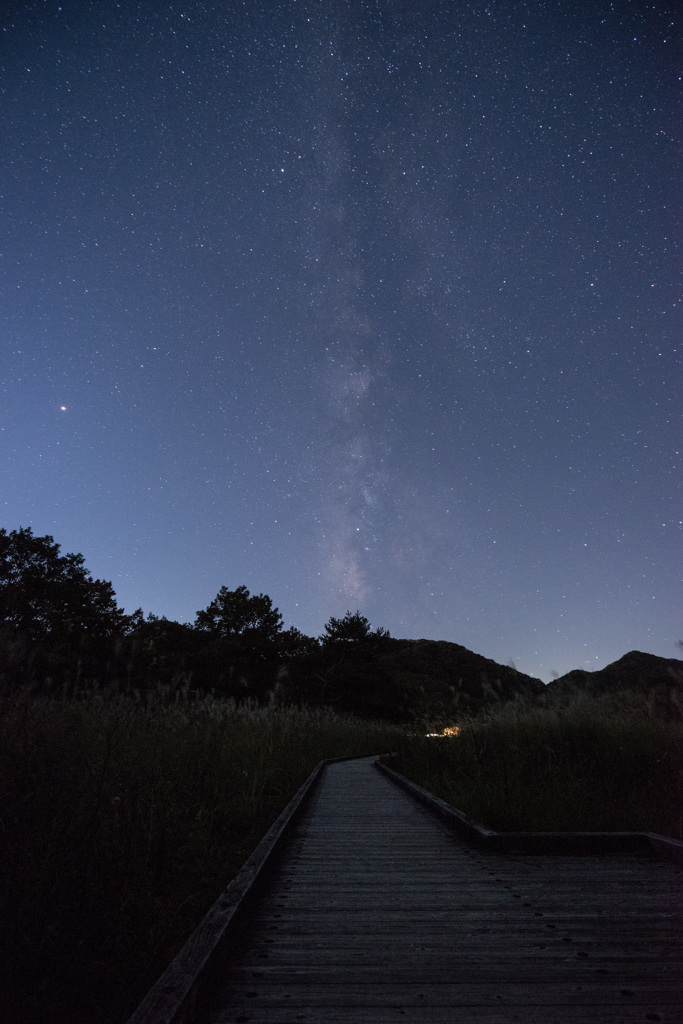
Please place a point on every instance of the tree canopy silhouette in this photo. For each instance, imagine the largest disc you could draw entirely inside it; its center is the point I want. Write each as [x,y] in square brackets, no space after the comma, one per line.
[45,594]
[353,626]
[235,614]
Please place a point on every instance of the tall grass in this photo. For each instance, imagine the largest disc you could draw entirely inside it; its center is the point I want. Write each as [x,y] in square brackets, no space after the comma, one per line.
[122,821]
[586,767]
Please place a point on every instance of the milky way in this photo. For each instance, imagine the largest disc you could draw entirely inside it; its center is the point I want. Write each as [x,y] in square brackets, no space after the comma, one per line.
[359,304]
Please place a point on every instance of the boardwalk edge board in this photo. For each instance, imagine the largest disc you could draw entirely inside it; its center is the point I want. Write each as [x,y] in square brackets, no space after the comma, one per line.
[181,988]
[642,843]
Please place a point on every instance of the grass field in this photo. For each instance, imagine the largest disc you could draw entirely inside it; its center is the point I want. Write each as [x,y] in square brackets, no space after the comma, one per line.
[120,824]
[122,819]
[586,767]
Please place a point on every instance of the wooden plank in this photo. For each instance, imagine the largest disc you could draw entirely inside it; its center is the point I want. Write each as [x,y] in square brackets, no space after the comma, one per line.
[294,1013]
[456,995]
[493,973]
[439,957]
[434,931]
[393,912]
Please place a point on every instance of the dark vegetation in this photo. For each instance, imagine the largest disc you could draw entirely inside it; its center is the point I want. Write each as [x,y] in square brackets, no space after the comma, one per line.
[122,822]
[588,766]
[61,632]
[141,759]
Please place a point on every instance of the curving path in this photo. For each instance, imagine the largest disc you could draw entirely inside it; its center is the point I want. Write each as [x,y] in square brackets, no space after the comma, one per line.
[378,913]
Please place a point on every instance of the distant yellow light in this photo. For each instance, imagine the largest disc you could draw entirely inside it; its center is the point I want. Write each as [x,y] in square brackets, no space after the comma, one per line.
[451,730]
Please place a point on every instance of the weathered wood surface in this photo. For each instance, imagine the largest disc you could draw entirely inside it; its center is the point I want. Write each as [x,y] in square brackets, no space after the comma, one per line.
[379,913]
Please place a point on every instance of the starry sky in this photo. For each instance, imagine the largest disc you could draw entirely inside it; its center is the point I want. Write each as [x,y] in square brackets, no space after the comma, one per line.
[363,304]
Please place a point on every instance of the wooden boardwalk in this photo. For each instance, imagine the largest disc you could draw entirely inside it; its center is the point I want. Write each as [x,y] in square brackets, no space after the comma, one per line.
[378,913]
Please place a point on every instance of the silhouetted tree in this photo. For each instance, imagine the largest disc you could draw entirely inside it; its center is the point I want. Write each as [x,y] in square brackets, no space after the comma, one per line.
[235,614]
[353,626]
[47,595]
[292,643]
[162,651]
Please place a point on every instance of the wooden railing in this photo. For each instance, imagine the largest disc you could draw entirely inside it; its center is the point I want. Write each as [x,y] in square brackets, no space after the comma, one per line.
[180,992]
[566,843]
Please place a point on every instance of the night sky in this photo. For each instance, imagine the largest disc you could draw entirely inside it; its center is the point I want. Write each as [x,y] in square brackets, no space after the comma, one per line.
[363,304]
